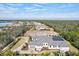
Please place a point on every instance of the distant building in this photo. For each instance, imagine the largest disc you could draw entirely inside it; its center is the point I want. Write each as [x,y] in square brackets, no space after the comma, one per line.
[41,33]
[40,26]
[0,30]
[16,24]
[48,42]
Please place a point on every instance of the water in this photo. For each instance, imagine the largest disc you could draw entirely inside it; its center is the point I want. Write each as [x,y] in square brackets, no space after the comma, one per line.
[2,24]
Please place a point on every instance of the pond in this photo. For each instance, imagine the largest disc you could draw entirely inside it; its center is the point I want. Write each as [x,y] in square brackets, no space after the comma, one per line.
[2,24]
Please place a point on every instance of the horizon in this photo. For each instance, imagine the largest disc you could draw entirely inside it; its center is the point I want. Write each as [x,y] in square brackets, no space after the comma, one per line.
[39,11]
[39,19]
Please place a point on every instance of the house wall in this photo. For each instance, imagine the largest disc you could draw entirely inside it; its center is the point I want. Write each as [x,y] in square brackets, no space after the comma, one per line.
[49,47]
[38,48]
[64,49]
[52,47]
[45,45]
[31,46]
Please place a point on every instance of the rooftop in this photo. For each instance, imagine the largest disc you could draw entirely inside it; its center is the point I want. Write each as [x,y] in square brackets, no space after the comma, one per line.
[51,40]
[40,33]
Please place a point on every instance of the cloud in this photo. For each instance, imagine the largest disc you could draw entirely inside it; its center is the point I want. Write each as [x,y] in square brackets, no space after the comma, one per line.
[14,4]
[34,10]
[38,11]
[65,15]
[67,5]
[4,9]
[38,5]
[28,8]
[10,9]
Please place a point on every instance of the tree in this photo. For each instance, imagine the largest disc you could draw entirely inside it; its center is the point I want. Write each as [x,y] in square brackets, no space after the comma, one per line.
[45,54]
[56,53]
[8,53]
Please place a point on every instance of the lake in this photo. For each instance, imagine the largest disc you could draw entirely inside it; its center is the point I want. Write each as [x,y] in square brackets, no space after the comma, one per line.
[2,24]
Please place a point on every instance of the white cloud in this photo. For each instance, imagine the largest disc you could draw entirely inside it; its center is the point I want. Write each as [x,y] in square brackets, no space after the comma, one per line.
[2,7]
[37,9]
[67,5]
[34,10]
[28,8]
[15,4]
[38,5]
[7,9]
[65,15]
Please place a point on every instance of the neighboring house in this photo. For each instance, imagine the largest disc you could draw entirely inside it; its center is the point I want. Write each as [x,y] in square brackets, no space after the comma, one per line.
[49,42]
[0,30]
[40,26]
[41,33]
[16,24]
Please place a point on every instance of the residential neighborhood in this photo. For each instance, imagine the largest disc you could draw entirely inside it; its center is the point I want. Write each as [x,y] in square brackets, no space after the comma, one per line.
[39,29]
[35,38]
[35,41]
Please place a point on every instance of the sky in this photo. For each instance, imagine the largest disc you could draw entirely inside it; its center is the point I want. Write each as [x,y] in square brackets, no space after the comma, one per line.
[38,10]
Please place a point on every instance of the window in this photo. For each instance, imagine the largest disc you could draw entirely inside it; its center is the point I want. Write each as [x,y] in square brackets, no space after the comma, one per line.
[54,46]
[46,43]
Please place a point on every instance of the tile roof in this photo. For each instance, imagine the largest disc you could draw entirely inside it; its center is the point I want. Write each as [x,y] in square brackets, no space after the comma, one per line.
[40,33]
[51,40]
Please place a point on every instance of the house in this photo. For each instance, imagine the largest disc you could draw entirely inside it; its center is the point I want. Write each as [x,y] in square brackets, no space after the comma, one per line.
[0,30]
[41,33]
[40,26]
[48,42]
